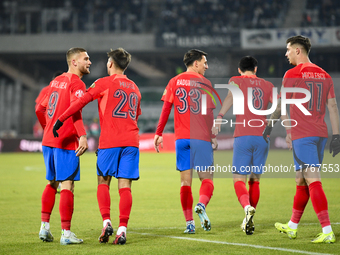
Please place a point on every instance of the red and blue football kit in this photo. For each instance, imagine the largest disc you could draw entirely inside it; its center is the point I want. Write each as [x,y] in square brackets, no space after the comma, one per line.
[310,134]
[250,151]
[63,90]
[319,83]
[119,107]
[185,92]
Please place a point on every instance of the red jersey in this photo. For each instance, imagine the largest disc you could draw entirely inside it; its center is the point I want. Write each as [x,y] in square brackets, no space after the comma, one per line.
[42,94]
[63,90]
[262,91]
[319,83]
[185,92]
[118,107]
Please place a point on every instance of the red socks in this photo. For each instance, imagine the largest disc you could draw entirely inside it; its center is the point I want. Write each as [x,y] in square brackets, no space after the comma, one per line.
[47,202]
[66,208]
[300,201]
[242,193]
[254,193]
[187,202]
[319,201]
[206,191]
[104,200]
[125,204]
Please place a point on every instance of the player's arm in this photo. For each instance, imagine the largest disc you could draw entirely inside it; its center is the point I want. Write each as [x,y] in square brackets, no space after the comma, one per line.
[275,117]
[40,111]
[73,108]
[227,103]
[163,119]
[334,118]
[288,130]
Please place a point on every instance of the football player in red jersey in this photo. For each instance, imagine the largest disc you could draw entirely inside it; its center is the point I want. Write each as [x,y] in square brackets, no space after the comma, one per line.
[194,140]
[118,153]
[309,136]
[61,155]
[250,151]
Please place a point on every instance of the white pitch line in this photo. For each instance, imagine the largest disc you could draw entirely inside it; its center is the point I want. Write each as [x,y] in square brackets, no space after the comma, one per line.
[235,244]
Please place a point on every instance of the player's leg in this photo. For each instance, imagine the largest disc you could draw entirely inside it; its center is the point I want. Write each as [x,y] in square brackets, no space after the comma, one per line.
[128,170]
[104,203]
[260,154]
[107,164]
[320,205]
[254,189]
[187,200]
[299,203]
[317,195]
[242,161]
[202,157]
[125,205]
[184,165]
[67,171]
[48,196]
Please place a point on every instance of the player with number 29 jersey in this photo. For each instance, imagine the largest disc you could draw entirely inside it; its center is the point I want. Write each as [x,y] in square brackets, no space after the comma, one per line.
[118,107]
[63,90]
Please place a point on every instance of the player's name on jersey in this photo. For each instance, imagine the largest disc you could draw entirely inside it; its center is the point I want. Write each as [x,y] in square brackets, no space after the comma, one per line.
[126,85]
[307,75]
[59,85]
[185,82]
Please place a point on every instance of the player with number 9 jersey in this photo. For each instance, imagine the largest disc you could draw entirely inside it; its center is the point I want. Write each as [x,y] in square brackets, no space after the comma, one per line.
[63,90]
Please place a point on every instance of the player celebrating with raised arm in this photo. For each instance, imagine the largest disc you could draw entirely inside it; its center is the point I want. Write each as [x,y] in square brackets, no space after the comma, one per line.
[118,153]
[250,151]
[309,136]
[194,141]
[61,155]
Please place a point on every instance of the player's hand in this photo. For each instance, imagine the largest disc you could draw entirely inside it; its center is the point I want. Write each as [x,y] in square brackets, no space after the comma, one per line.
[335,145]
[289,141]
[56,126]
[216,128]
[82,146]
[158,141]
[214,143]
[266,133]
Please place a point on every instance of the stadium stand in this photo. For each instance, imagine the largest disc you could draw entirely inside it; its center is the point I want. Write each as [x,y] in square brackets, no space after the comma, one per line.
[324,13]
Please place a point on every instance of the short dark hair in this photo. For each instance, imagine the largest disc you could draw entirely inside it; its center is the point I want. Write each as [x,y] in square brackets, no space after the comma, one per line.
[247,63]
[192,55]
[302,40]
[73,51]
[121,58]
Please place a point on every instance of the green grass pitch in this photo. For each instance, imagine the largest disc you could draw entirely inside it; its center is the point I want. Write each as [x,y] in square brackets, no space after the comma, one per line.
[156,222]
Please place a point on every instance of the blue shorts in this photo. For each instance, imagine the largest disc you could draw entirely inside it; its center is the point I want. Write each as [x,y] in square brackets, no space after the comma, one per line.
[120,162]
[249,154]
[193,153]
[308,151]
[61,165]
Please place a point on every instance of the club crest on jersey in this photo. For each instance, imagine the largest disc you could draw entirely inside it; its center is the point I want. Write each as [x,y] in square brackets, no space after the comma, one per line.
[93,85]
[79,93]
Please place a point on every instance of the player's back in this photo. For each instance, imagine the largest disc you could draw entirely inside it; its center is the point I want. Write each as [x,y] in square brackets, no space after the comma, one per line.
[62,91]
[119,108]
[320,85]
[185,93]
[261,96]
